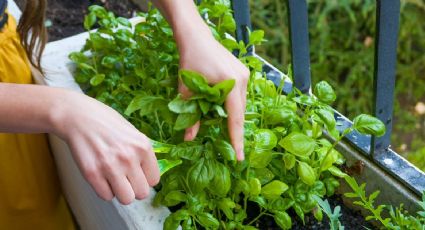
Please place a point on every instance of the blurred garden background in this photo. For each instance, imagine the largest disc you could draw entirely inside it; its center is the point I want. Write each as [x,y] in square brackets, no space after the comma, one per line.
[342,49]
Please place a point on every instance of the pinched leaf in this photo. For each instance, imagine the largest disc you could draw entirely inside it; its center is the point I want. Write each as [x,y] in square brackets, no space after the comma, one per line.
[298,144]
[186,120]
[180,105]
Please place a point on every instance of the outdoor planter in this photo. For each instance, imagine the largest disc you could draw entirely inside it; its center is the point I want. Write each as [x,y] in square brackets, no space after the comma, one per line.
[93,213]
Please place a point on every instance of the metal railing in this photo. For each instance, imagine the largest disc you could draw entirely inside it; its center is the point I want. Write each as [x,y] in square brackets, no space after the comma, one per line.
[387,24]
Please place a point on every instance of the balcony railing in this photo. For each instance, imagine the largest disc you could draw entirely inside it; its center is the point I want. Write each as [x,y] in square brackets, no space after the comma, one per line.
[375,149]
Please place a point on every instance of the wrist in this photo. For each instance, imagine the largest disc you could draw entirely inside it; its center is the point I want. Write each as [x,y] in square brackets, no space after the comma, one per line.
[60,113]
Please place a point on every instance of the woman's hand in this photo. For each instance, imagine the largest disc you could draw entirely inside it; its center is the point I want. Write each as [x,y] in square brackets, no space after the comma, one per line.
[114,157]
[203,54]
[200,52]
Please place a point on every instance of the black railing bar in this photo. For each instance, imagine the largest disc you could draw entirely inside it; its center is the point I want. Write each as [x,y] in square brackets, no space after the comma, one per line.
[298,32]
[241,14]
[387,24]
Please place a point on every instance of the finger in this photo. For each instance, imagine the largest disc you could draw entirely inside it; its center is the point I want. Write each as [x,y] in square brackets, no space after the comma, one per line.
[235,109]
[149,165]
[191,132]
[121,188]
[185,92]
[138,182]
[100,185]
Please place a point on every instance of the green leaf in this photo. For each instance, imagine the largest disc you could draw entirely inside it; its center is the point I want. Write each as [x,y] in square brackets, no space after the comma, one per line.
[224,87]
[110,61]
[306,173]
[367,124]
[274,189]
[283,115]
[225,149]
[180,105]
[208,221]
[186,120]
[260,158]
[289,160]
[188,150]
[264,175]
[324,92]
[298,144]
[174,198]
[165,165]
[283,220]
[204,106]
[327,117]
[281,204]
[337,172]
[220,111]
[89,21]
[256,37]
[265,139]
[124,21]
[200,174]
[254,186]
[147,104]
[170,223]
[197,84]
[159,147]
[97,79]
[226,205]
[221,182]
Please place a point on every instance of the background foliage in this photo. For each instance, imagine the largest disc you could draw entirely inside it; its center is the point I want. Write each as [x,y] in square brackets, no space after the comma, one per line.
[341,49]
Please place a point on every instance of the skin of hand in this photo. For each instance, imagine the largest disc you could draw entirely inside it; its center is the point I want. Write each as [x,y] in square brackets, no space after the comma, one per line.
[200,52]
[113,156]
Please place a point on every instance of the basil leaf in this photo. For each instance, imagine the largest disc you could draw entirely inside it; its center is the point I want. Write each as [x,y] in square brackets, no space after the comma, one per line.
[165,165]
[327,117]
[289,160]
[274,189]
[260,158]
[265,139]
[306,173]
[186,120]
[179,105]
[225,149]
[226,205]
[324,92]
[174,198]
[254,186]
[224,87]
[221,182]
[298,144]
[283,220]
[189,150]
[208,221]
[159,147]
[263,174]
[97,79]
[147,105]
[89,21]
[200,174]
[367,124]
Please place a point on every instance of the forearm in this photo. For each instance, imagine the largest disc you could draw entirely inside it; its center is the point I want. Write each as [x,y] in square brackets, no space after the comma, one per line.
[28,108]
[185,20]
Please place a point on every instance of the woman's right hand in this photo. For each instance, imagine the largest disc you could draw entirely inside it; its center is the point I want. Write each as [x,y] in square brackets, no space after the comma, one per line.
[114,157]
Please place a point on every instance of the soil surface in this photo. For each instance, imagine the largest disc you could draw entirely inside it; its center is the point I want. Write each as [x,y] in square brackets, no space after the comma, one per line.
[351,220]
[65,17]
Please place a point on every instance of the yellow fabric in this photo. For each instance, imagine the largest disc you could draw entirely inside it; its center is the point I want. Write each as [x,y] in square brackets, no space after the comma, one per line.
[30,194]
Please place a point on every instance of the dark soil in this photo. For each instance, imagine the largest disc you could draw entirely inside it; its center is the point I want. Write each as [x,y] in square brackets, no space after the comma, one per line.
[66,16]
[352,220]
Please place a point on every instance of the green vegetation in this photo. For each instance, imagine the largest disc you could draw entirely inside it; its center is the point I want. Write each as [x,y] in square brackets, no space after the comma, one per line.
[341,47]
[289,164]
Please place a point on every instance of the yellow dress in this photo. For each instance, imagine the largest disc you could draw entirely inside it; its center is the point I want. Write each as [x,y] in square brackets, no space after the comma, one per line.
[30,193]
